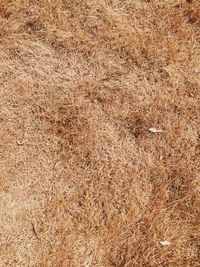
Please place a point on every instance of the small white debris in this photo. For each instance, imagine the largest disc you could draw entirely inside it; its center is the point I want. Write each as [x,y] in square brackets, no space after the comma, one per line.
[20,142]
[154,130]
[165,243]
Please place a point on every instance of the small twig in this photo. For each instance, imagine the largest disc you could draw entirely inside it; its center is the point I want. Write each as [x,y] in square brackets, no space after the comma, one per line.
[34,231]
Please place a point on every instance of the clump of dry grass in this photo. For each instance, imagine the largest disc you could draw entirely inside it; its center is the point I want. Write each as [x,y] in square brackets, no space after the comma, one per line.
[83,180]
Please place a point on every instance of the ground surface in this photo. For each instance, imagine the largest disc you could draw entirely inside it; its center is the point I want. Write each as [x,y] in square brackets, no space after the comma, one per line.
[83,182]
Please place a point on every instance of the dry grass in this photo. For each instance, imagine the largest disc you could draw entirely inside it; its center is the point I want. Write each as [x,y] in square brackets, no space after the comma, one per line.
[83,181]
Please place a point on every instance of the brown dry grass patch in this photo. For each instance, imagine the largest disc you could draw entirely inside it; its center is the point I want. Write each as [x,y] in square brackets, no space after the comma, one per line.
[83,181]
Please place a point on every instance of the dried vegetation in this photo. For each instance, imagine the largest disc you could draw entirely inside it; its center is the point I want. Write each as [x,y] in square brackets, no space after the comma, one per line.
[83,180]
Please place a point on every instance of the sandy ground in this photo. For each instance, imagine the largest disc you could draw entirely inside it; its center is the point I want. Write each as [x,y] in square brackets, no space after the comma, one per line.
[99,133]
